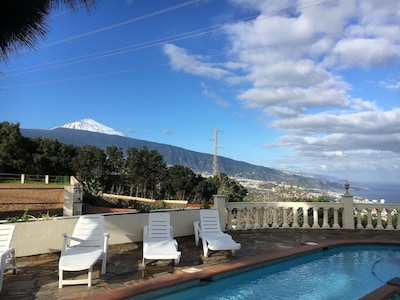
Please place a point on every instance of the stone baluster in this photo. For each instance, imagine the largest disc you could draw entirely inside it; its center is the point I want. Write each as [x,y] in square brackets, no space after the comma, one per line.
[359,223]
[248,223]
[315,217]
[369,219]
[305,217]
[295,217]
[389,225]
[265,217]
[335,218]
[379,219]
[257,211]
[325,223]
[285,222]
[239,219]
[275,217]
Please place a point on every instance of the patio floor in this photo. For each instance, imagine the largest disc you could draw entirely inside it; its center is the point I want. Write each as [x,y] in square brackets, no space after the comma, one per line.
[37,276]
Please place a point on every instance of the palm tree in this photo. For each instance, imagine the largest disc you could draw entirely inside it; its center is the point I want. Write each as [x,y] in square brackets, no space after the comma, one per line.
[23,22]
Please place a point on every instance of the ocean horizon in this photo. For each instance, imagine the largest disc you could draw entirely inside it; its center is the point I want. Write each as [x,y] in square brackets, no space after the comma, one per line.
[390,192]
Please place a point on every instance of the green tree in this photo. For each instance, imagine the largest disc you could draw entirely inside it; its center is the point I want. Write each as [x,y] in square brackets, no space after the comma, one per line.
[135,169]
[13,154]
[203,191]
[145,170]
[65,156]
[231,188]
[156,169]
[115,169]
[179,182]
[89,163]
[46,158]
[23,22]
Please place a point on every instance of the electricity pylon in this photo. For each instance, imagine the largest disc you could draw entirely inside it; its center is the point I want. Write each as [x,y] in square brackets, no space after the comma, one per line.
[215,159]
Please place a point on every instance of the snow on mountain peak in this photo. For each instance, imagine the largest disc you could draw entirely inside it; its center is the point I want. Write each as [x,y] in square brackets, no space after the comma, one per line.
[90,125]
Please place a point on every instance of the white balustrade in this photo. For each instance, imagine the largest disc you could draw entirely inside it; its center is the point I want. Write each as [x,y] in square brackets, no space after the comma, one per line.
[311,215]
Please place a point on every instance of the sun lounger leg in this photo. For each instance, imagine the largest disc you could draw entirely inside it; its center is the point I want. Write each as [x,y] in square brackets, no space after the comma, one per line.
[90,277]
[205,247]
[60,279]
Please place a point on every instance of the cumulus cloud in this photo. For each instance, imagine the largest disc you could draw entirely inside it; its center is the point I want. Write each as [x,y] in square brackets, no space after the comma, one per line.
[365,52]
[289,63]
[369,123]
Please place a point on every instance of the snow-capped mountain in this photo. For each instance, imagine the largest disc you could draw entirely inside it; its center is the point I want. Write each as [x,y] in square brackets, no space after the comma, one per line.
[90,125]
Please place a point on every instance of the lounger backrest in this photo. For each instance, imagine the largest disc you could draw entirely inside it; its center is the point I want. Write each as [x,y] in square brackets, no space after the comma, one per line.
[209,221]
[159,225]
[89,231]
[6,234]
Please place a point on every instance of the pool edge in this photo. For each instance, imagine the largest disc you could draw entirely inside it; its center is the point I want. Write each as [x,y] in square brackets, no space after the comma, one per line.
[206,271]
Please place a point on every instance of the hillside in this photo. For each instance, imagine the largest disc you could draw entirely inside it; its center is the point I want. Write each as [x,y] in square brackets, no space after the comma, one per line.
[198,162]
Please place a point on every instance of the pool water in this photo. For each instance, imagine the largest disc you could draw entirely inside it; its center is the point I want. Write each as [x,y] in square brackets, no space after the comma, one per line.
[348,272]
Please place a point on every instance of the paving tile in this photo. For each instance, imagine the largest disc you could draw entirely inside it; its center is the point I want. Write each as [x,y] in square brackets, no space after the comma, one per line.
[37,277]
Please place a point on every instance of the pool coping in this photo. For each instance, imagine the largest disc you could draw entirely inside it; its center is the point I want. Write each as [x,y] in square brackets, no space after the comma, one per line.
[202,272]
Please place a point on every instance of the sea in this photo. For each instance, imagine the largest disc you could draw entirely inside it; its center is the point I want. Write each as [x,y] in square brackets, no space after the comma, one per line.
[389,192]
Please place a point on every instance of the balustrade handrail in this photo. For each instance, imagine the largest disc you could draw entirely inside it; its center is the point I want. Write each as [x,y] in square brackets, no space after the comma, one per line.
[283,204]
[346,214]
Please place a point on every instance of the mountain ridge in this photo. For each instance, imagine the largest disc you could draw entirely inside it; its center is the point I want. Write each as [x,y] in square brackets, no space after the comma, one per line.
[197,161]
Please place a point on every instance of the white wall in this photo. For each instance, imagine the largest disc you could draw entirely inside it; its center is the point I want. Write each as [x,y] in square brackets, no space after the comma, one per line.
[39,237]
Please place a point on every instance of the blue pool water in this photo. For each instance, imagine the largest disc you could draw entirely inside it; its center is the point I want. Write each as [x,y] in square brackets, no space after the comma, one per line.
[348,272]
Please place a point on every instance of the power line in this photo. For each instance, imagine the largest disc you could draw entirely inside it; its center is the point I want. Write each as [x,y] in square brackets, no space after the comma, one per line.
[152,43]
[122,23]
[156,42]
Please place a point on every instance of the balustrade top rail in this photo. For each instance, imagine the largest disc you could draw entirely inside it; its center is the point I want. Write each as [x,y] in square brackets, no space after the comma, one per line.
[322,215]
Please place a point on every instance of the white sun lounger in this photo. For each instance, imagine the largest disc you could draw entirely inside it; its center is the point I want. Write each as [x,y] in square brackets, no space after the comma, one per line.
[209,231]
[158,239]
[81,251]
[7,254]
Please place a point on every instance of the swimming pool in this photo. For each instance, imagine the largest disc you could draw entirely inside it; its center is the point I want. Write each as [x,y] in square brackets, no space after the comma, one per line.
[345,272]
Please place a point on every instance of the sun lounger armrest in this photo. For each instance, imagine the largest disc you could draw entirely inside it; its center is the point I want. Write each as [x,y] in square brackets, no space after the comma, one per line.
[145,232]
[8,252]
[106,237]
[196,226]
[66,240]
[105,246]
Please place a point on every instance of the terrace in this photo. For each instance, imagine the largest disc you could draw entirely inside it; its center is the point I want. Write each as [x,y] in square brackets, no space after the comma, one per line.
[38,276]
[265,230]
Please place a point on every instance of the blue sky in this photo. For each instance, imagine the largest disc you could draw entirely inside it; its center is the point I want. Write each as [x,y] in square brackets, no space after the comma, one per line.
[303,86]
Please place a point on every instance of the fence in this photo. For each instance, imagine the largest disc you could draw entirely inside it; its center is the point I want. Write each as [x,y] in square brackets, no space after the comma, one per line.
[26,197]
[30,178]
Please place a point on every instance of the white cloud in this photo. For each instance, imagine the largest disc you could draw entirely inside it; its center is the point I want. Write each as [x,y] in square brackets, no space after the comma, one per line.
[392,86]
[365,52]
[368,123]
[166,131]
[180,59]
[289,63]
